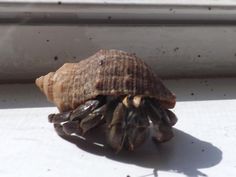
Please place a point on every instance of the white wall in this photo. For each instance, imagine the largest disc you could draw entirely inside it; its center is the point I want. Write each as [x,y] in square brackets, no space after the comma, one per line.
[176,40]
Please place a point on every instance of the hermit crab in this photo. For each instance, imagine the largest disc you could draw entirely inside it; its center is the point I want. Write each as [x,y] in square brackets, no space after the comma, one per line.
[112,88]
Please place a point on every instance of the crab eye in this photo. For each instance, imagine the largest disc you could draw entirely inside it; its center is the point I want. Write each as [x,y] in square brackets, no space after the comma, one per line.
[137,101]
[127,101]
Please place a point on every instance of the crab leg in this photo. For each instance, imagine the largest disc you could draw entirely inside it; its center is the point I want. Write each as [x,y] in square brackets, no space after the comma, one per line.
[149,112]
[81,127]
[93,119]
[71,127]
[161,123]
[128,127]
[172,117]
[84,109]
[115,133]
[59,129]
[81,119]
[90,121]
[166,115]
[163,133]
[137,129]
[79,113]
[111,106]
[60,117]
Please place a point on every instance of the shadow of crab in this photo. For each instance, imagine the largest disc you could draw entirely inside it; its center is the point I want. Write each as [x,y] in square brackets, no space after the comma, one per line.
[183,154]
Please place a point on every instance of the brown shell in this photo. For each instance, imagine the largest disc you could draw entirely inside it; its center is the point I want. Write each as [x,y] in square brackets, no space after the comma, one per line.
[108,72]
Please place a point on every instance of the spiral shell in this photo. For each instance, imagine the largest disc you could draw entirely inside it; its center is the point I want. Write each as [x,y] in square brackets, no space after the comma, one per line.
[108,72]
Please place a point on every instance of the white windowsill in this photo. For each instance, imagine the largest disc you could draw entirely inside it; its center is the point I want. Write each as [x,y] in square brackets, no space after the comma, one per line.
[203,144]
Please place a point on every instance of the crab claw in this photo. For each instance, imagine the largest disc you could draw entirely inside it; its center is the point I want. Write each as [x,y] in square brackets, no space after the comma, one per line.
[115,132]
[128,128]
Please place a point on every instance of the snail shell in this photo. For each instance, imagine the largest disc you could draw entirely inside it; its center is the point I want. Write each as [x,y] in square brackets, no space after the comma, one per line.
[108,72]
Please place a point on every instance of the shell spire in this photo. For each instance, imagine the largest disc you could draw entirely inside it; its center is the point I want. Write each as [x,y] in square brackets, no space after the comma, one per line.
[45,84]
[39,83]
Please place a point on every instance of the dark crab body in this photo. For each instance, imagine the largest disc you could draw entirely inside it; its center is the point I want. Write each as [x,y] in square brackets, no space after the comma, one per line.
[115,88]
